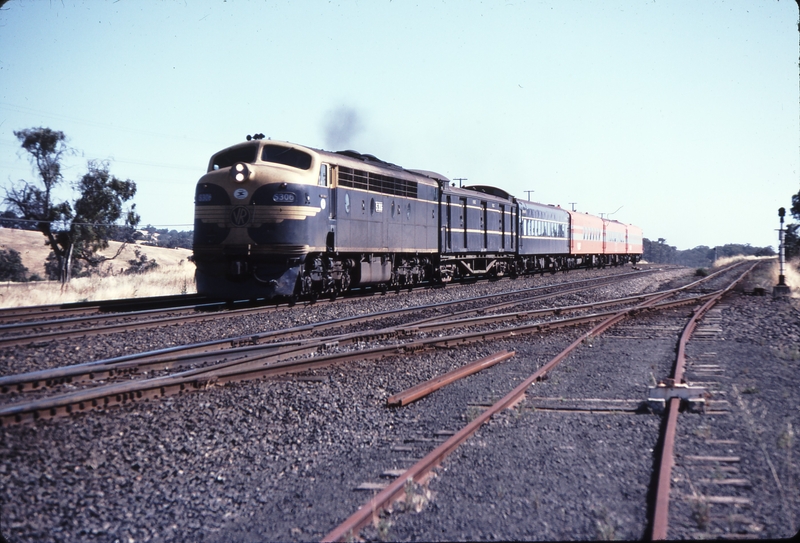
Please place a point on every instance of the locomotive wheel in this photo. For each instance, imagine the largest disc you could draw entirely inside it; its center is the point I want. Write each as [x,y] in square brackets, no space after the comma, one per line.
[345,282]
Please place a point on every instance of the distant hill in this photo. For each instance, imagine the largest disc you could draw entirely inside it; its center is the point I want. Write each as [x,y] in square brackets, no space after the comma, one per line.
[30,244]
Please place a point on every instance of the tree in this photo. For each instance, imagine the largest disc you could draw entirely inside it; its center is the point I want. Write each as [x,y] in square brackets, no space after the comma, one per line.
[791,240]
[81,229]
[11,266]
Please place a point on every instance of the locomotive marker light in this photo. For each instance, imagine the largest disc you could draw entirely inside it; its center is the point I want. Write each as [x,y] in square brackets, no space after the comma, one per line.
[781,290]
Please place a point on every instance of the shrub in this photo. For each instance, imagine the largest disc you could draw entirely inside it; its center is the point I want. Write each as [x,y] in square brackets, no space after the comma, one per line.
[52,268]
[140,264]
[11,267]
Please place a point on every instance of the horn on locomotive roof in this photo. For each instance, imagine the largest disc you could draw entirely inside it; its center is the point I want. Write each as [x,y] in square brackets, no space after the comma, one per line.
[255,137]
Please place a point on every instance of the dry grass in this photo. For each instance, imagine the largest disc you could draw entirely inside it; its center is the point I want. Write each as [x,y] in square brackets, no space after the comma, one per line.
[174,275]
[164,280]
[768,277]
[725,260]
[33,251]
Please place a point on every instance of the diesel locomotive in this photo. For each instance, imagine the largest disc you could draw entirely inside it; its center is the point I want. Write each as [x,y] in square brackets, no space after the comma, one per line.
[276,219]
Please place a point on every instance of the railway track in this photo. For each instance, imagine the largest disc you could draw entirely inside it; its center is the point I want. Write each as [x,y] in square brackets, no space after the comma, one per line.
[422,470]
[268,348]
[15,315]
[278,352]
[575,400]
[85,321]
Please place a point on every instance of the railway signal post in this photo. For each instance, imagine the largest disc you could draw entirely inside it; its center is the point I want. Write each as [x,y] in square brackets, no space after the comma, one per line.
[781,290]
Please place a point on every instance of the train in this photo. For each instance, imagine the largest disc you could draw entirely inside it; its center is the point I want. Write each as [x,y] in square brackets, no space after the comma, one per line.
[275,219]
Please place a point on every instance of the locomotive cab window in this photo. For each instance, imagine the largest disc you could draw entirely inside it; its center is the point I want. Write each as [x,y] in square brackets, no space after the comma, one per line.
[323,175]
[228,158]
[286,156]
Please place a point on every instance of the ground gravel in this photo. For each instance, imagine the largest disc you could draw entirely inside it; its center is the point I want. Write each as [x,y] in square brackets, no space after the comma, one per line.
[281,459]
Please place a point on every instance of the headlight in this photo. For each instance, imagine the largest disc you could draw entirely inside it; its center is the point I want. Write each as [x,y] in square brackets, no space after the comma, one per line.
[240,172]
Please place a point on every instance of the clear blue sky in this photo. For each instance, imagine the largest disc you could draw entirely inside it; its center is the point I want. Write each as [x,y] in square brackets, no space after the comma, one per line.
[683,113]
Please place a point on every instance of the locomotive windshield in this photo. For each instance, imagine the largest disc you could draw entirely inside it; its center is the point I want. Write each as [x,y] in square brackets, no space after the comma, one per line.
[228,158]
[287,156]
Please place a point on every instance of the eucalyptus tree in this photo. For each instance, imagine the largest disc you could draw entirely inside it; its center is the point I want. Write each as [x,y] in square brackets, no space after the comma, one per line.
[76,231]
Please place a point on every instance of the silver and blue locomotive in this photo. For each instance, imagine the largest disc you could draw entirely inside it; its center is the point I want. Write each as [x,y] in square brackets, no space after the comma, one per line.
[275,219]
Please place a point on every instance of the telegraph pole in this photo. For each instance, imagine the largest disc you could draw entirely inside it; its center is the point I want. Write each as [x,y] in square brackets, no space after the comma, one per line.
[528,192]
[459,179]
[573,205]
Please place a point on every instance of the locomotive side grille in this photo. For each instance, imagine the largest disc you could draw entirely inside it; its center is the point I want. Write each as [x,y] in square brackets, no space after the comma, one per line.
[375,182]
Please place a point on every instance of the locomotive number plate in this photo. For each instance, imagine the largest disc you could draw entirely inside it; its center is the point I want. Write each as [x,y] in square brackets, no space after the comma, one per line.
[283,197]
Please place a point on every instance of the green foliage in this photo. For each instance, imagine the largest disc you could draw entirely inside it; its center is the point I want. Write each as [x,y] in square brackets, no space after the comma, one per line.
[9,219]
[98,209]
[78,230]
[701,256]
[791,241]
[140,264]
[52,268]
[162,237]
[11,267]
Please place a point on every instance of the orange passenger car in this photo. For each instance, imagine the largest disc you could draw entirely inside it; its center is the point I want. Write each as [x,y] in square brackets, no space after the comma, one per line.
[614,238]
[635,244]
[587,234]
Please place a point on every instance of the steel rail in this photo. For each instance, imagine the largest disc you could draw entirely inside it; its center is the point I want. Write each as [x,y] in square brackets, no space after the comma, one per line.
[254,365]
[28,339]
[271,360]
[423,389]
[660,520]
[348,529]
[130,306]
[251,364]
[13,314]
[177,320]
[172,356]
[105,318]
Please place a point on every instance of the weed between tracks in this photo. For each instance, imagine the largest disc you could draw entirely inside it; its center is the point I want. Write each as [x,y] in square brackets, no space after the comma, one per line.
[787,352]
[701,513]
[605,524]
[415,498]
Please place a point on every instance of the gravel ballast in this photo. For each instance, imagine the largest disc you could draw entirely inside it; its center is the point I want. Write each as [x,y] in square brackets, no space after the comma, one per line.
[282,459]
